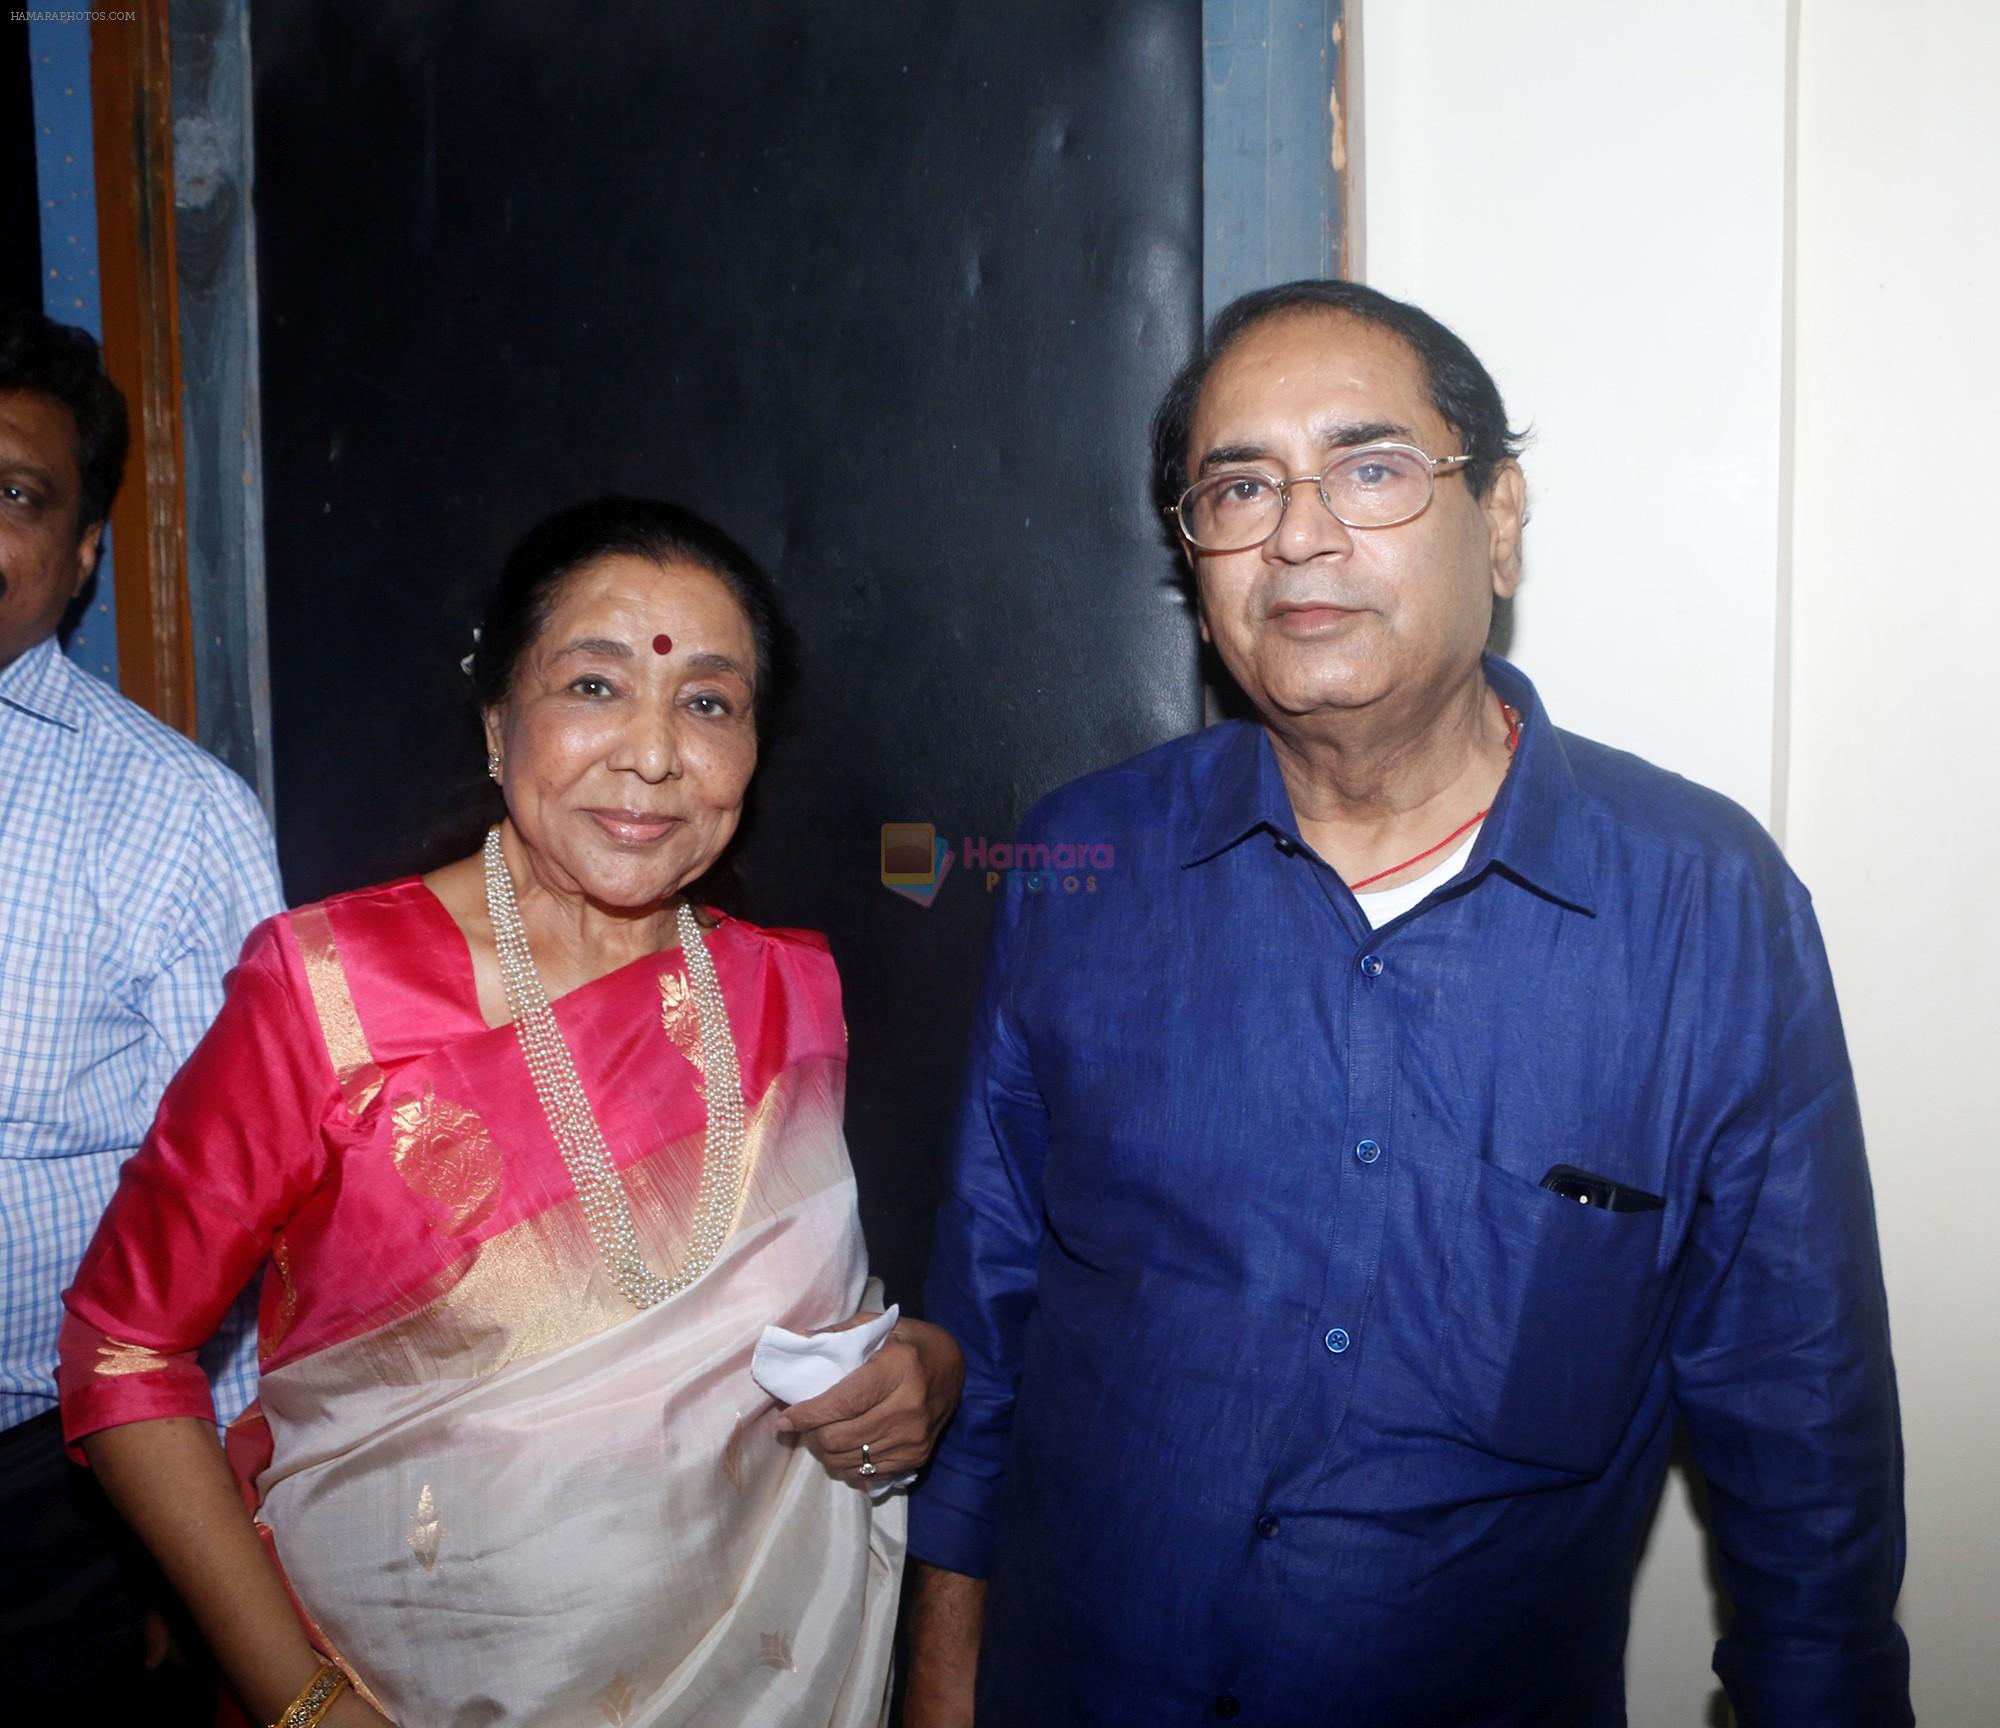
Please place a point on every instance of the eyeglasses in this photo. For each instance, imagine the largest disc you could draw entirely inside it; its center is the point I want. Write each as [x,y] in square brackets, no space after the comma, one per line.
[1376,486]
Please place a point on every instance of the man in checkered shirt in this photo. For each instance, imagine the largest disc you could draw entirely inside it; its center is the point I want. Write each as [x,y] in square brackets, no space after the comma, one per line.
[132,866]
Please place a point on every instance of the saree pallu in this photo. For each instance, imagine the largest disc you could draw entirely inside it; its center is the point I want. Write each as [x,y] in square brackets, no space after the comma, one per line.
[499,1494]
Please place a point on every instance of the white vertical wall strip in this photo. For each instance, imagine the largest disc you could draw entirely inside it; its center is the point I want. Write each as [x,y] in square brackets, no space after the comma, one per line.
[1595,197]
[1895,797]
[1735,259]
[1781,611]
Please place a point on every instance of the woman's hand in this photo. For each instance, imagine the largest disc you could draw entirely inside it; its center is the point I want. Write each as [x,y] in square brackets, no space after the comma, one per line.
[896,1402]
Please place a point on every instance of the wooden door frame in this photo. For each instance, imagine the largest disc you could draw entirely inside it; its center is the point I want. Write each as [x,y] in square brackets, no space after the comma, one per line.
[131,96]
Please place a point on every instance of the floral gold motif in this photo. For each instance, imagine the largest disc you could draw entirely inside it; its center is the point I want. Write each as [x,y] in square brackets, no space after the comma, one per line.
[732,1452]
[426,1530]
[442,1150]
[116,1358]
[774,1650]
[681,1016]
[616,1701]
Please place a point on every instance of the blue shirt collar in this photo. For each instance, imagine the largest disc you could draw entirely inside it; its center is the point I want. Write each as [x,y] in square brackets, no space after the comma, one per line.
[37,684]
[1534,831]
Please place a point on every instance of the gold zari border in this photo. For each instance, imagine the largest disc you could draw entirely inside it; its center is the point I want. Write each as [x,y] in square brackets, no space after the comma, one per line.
[346,1044]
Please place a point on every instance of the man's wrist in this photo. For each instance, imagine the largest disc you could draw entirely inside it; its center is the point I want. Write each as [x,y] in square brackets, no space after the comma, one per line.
[947,1615]
[947,1609]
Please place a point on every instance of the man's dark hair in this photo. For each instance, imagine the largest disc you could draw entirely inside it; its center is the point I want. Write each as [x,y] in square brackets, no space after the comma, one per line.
[1459,387]
[59,360]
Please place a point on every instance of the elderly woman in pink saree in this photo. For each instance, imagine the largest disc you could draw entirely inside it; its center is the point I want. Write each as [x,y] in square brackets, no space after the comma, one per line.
[531,1149]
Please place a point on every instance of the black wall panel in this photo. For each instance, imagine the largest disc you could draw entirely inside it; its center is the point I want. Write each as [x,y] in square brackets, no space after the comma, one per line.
[888,287]
[20,210]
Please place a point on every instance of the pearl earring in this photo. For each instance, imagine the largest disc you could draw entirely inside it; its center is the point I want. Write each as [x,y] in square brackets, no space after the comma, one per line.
[492,765]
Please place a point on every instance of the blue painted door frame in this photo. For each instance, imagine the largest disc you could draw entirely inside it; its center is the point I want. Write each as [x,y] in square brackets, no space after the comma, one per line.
[1275,115]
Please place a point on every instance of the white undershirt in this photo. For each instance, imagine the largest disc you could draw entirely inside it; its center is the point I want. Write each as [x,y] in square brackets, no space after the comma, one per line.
[1378,906]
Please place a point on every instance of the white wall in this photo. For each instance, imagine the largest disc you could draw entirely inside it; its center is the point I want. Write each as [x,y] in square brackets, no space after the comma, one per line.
[1593,196]
[1734,260]
[1894,815]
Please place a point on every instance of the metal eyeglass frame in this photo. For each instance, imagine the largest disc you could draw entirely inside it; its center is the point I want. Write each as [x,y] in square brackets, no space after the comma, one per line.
[1435,464]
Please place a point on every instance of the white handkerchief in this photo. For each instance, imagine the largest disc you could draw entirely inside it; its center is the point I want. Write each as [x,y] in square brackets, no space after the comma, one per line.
[793,1367]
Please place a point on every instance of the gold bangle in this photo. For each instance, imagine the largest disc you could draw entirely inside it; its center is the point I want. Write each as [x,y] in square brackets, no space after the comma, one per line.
[307,1709]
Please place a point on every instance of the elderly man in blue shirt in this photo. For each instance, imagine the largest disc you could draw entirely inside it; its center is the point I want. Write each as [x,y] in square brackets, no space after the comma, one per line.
[1430,1110]
[132,866]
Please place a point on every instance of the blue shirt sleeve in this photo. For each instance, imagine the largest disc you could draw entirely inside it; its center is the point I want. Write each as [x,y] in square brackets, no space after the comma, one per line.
[1781,1366]
[983,1262]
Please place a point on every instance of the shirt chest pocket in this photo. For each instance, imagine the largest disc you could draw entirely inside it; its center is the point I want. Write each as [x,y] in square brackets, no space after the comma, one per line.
[1552,1322]
[46,982]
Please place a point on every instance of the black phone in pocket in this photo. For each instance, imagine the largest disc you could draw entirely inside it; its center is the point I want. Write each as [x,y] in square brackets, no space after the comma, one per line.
[1599,1191]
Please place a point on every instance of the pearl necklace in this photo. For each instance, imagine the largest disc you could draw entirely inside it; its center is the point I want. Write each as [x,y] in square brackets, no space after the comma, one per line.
[607,1209]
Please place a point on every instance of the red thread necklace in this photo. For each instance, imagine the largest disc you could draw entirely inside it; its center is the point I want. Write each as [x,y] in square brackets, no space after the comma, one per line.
[1513,739]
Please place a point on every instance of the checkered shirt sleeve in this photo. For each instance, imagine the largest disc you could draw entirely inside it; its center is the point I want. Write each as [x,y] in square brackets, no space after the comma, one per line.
[132,866]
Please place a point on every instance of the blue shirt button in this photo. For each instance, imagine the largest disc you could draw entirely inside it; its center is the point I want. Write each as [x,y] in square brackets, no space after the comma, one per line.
[1337,1340]
[1371,965]
[1267,1526]
[1226,1706]
[1368,1151]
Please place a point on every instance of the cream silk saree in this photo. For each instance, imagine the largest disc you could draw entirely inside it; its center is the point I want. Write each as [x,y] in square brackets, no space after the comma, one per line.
[500,1494]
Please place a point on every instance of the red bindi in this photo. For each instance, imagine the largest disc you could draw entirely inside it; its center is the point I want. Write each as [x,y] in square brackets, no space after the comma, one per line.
[663,643]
